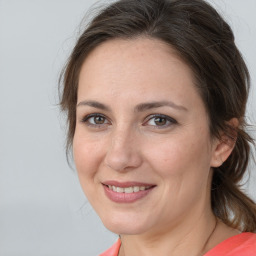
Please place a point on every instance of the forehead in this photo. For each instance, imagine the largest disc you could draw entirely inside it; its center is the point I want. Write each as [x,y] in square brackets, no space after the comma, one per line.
[146,66]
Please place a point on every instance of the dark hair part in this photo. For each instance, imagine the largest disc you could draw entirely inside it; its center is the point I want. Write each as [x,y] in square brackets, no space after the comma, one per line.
[206,43]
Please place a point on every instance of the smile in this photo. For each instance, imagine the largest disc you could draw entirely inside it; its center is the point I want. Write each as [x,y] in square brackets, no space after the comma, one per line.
[128,190]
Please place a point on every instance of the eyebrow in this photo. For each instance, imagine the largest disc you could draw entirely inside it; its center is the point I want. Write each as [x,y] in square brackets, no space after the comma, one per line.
[145,106]
[94,104]
[139,108]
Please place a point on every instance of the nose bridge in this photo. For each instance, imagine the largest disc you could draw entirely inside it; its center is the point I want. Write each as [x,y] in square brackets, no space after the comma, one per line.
[123,151]
[122,136]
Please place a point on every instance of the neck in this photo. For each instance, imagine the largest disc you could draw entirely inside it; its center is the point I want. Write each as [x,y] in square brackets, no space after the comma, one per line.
[188,237]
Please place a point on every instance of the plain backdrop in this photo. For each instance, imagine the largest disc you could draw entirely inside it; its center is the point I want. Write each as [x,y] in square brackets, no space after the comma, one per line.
[43,210]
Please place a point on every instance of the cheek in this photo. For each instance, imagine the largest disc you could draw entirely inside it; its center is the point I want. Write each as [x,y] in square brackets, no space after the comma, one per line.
[87,156]
[183,166]
[181,155]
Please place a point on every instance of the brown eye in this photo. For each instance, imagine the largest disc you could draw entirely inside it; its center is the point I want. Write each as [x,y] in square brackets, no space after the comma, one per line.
[99,120]
[95,120]
[160,121]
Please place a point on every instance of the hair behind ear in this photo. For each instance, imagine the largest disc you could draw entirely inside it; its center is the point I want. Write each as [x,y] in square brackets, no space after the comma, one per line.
[229,202]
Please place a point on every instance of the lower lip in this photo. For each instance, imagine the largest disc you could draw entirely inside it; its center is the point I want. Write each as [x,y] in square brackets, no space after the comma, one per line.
[125,197]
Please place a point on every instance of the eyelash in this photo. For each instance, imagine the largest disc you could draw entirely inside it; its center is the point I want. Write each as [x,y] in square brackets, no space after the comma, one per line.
[169,120]
[94,115]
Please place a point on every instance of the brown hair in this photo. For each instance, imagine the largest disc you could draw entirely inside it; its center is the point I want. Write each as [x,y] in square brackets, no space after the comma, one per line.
[206,43]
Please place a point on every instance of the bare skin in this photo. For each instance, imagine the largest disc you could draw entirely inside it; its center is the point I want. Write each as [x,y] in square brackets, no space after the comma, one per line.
[141,119]
[214,235]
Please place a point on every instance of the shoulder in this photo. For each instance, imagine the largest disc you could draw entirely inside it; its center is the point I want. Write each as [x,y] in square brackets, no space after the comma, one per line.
[113,250]
[243,244]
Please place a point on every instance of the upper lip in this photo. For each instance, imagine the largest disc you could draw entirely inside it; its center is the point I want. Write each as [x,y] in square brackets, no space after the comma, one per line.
[127,184]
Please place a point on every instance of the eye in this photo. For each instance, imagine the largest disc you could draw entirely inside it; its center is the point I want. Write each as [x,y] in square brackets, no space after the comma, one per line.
[160,121]
[96,120]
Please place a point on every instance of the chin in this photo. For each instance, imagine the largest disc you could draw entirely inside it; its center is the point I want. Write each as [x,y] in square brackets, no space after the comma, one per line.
[124,230]
[124,226]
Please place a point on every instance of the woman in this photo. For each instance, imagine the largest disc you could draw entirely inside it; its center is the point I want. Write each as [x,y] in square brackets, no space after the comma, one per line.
[155,93]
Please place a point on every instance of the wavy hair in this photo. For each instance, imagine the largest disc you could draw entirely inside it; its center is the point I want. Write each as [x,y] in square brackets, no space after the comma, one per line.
[205,42]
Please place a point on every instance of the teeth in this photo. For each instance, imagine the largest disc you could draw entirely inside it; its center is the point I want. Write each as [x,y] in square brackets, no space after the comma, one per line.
[128,189]
[136,189]
[119,190]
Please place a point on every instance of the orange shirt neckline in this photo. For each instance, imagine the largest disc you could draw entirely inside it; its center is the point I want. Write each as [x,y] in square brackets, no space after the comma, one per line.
[234,245]
[113,251]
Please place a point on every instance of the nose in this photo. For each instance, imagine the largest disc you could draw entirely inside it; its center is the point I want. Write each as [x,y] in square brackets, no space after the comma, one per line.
[123,151]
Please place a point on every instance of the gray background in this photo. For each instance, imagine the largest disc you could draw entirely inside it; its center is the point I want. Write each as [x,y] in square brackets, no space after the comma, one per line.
[42,208]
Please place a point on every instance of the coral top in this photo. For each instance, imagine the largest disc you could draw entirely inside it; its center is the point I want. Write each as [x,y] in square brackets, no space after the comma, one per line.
[243,244]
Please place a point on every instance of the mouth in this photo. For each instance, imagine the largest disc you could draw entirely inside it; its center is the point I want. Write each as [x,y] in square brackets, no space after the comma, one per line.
[126,192]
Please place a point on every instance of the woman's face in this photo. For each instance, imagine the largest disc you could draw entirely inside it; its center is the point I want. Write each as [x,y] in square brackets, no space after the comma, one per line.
[142,146]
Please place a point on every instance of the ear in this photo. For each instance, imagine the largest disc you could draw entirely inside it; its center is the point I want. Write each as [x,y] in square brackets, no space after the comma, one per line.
[223,146]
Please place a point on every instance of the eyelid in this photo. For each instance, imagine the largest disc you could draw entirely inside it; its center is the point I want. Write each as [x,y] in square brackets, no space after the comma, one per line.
[168,118]
[170,121]
[87,117]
